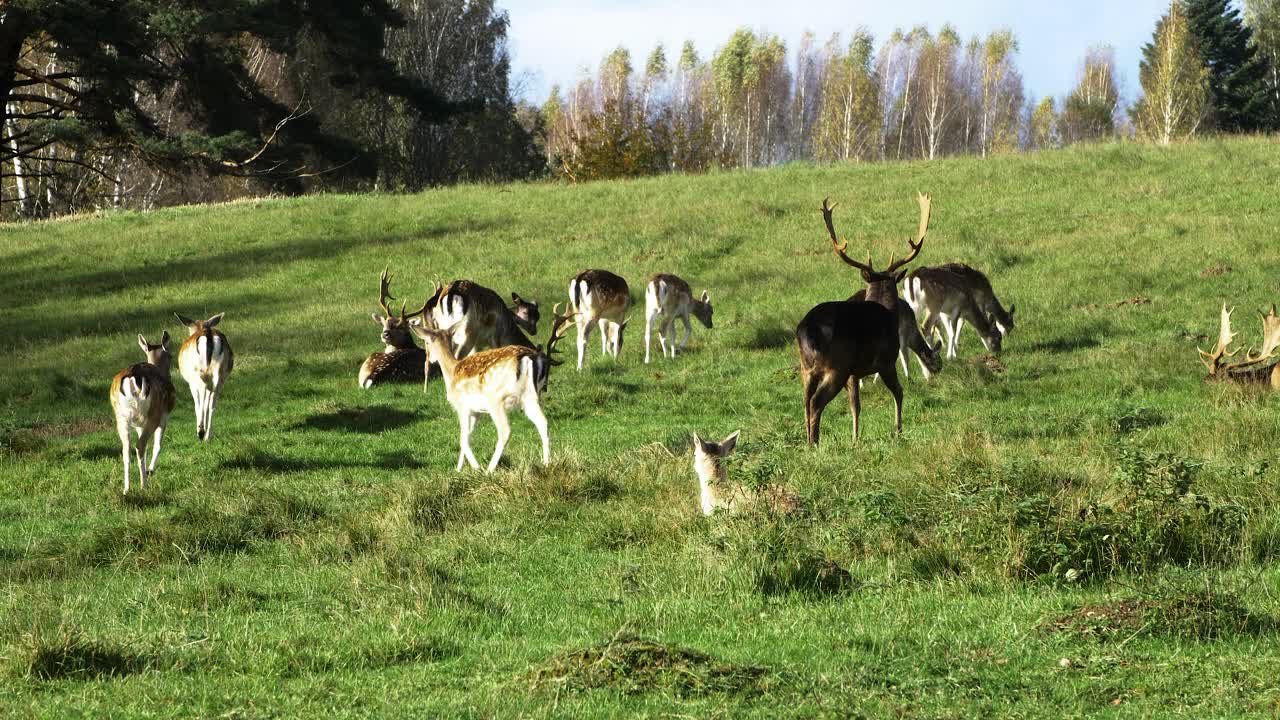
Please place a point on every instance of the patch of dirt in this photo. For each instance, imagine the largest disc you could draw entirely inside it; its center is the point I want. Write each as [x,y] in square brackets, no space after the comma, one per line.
[633,665]
[76,428]
[991,363]
[1215,271]
[1101,621]
[1200,615]
[1135,300]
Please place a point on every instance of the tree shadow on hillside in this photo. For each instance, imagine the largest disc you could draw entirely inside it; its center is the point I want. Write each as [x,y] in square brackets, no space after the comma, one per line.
[368,420]
[34,286]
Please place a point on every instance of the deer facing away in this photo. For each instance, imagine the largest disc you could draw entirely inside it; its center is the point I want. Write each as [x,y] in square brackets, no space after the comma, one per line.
[668,298]
[478,319]
[598,297]
[142,398]
[491,382]
[842,342]
[205,361]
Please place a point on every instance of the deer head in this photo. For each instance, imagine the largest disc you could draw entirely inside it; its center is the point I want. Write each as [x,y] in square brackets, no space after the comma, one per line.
[881,284]
[395,327]
[1244,369]
[701,309]
[157,355]
[525,313]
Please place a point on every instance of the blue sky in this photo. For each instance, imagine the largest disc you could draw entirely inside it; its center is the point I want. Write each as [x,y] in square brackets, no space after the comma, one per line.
[552,40]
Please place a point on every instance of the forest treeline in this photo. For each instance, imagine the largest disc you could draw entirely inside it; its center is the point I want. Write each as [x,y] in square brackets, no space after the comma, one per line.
[135,104]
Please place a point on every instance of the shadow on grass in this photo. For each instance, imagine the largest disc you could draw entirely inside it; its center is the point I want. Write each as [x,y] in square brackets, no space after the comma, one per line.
[770,338]
[369,420]
[262,461]
[1065,344]
[68,654]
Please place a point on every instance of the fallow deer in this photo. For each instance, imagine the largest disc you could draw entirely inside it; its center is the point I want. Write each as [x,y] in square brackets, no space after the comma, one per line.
[205,361]
[910,340]
[490,382]
[985,296]
[939,295]
[142,398]
[1262,367]
[670,298]
[401,360]
[842,342]
[717,493]
[479,320]
[598,297]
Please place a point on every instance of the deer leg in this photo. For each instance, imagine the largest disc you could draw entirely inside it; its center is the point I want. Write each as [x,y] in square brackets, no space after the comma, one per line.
[533,411]
[195,401]
[688,330]
[213,403]
[126,451]
[584,330]
[140,454]
[923,368]
[950,330]
[905,361]
[959,327]
[604,335]
[499,414]
[465,425]
[890,377]
[855,402]
[668,325]
[158,436]
[827,390]
[648,329]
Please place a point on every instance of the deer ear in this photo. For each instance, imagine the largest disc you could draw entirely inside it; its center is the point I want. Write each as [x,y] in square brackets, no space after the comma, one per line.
[376,318]
[214,320]
[897,277]
[727,445]
[705,296]
[1012,308]
[698,443]
[142,343]
[515,298]
[164,340]
[184,320]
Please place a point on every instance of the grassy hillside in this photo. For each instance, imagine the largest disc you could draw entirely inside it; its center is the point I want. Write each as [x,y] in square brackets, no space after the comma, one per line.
[1081,528]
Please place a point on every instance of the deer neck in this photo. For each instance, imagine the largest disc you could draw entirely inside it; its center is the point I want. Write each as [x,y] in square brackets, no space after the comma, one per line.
[883,292]
[445,359]
[710,474]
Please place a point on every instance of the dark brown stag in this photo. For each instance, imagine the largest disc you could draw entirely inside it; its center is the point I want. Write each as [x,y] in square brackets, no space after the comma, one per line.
[1261,367]
[842,342]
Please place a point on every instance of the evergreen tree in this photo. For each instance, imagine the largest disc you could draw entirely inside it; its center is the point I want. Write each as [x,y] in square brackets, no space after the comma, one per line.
[1263,19]
[1237,73]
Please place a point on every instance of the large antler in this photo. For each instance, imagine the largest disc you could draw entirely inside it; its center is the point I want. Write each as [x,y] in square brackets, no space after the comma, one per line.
[559,328]
[1270,342]
[1213,359]
[384,292]
[926,209]
[838,246]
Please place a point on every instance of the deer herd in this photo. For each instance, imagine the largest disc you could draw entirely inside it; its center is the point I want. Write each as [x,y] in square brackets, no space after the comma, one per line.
[483,351]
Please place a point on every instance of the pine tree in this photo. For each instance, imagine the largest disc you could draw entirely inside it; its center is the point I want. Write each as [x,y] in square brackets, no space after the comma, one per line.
[1175,82]
[1237,73]
[1263,18]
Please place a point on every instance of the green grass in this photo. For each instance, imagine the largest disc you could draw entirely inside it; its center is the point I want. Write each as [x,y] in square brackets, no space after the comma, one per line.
[1091,531]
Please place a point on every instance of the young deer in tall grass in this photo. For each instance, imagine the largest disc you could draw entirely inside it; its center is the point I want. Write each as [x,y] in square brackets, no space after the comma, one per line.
[938,294]
[142,398]
[670,298]
[717,493]
[491,382]
[205,361]
[598,297]
[401,360]
[842,342]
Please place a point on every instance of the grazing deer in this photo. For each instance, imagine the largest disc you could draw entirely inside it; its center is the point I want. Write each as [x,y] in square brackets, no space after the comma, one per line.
[598,297]
[670,298]
[490,382]
[479,320]
[718,494]
[401,360]
[910,340]
[142,397]
[205,360]
[1262,367]
[842,342]
[937,295]
[985,296]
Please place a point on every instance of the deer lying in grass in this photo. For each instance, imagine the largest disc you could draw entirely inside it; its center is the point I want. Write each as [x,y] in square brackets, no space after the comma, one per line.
[401,360]
[842,342]
[670,298]
[598,297]
[716,491]
[939,294]
[911,340]
[205,361]
[491,382]
[479,320]
[1262,367]
[142,398]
